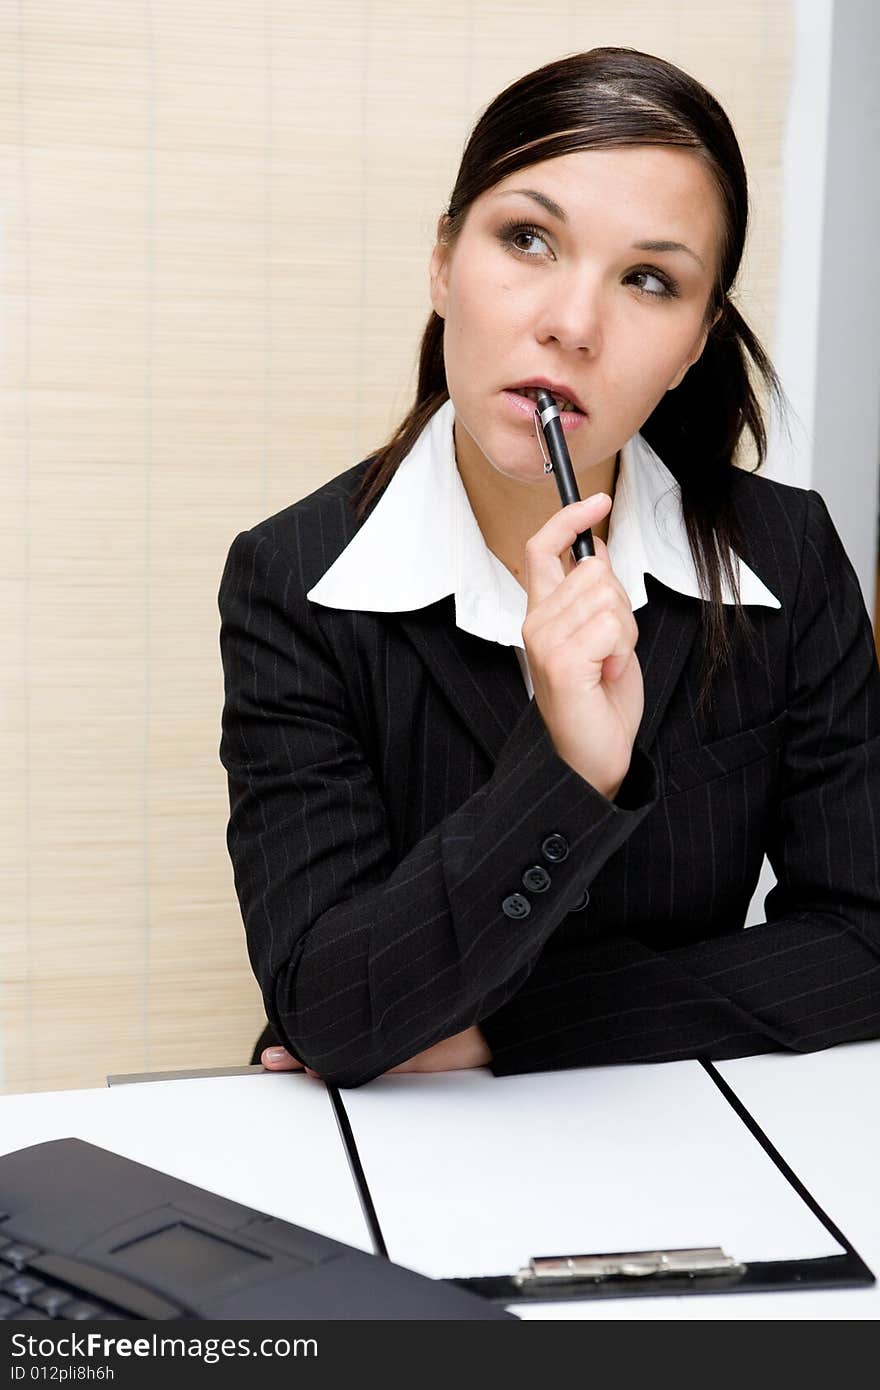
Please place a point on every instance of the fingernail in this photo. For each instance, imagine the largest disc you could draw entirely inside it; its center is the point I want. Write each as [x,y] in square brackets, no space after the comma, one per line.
[276,1054]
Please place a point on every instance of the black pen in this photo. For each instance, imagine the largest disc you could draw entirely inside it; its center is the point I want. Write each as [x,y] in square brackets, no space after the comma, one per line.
[548,424]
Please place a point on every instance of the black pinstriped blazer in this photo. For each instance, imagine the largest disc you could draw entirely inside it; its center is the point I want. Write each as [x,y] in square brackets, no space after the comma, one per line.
[391,784]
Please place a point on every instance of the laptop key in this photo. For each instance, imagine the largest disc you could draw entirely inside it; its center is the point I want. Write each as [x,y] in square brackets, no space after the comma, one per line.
[119,1291]
[30,1315]
[19,1254]
[51,1300]
[80,1312]
[22,1286]
[8,1306]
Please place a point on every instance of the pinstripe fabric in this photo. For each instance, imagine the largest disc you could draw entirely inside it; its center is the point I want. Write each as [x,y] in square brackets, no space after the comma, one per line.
[390,782]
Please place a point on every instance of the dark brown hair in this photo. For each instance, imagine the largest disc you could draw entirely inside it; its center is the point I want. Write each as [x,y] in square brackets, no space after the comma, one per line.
[606,98]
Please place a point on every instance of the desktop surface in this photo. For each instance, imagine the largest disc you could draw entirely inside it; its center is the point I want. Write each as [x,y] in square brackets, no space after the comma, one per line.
[272,1142]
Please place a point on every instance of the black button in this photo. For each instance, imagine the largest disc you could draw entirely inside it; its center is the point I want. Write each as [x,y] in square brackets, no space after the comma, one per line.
[581,902]
[555,849]
[516,906]
[536,879]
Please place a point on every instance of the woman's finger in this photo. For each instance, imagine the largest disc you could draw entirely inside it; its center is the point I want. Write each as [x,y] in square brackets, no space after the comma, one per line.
[544,568]
[279,1059]
[587,634]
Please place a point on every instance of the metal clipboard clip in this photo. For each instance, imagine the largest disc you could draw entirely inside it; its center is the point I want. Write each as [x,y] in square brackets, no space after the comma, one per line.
[633,1264]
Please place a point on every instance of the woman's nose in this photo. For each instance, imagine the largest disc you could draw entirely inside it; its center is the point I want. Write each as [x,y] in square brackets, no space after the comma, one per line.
[571,313]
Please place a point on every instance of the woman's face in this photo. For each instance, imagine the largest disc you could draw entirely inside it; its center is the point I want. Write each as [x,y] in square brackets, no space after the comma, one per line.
[564,294]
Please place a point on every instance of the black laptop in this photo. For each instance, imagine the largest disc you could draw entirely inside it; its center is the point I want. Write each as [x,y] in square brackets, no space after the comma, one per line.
[88,1235]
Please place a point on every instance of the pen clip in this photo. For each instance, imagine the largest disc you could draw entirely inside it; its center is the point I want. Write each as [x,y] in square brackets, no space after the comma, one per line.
[548,466]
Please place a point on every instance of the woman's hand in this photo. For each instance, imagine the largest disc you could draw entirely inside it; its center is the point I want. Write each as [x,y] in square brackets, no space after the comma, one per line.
[467,1049]
[580,637]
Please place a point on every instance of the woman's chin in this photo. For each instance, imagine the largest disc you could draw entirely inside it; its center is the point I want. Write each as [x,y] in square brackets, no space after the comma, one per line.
[529,473]
[509,453]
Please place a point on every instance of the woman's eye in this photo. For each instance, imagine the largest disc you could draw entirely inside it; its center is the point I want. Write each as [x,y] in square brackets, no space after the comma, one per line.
[516,235]
[665,288]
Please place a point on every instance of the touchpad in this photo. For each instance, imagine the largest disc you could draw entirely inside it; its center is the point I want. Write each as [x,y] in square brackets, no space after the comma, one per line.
[187,1253]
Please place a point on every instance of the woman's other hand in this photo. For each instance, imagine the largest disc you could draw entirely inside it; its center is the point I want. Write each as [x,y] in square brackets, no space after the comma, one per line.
[463,1050]
[467,1049]
[580,637]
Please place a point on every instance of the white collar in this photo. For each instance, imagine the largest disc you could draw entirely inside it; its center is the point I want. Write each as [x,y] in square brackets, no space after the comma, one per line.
[422,542]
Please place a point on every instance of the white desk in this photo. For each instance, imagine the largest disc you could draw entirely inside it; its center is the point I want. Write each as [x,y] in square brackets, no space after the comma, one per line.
[271,1142]
[267,1141]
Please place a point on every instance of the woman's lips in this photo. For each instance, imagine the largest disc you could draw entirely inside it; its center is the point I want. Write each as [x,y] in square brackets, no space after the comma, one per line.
[523,405]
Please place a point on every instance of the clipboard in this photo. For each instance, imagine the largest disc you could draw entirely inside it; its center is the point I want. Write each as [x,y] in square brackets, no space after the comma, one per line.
[575,1273]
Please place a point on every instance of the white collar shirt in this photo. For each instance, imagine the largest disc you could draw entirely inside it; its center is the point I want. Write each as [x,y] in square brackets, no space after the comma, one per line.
[422,542]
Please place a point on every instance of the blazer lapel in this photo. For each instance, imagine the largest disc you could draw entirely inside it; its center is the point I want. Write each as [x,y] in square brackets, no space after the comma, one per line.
[668,625]
[483,682]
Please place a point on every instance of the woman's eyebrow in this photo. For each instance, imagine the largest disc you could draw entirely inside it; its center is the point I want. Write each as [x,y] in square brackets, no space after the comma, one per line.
[667,246]
[559,213]
[546,203]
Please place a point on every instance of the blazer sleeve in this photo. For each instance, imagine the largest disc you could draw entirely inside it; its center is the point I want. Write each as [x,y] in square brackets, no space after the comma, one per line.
[362,961]
[807,977]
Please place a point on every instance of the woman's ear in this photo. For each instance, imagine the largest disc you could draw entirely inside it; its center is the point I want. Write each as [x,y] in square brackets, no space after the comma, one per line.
[439,279]
[439,269]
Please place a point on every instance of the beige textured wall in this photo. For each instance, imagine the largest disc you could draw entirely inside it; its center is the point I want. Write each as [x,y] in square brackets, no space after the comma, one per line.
[213,211]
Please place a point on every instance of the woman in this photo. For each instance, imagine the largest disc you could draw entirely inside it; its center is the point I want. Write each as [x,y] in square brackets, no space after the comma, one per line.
[488,807]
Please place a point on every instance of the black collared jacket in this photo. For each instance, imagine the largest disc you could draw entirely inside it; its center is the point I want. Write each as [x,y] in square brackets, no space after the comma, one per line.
[412,857]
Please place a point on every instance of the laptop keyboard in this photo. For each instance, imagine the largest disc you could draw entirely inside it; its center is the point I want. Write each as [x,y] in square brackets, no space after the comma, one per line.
[27,1295]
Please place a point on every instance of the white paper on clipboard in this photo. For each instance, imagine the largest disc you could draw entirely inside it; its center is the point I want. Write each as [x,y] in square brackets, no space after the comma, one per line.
[472,1175]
